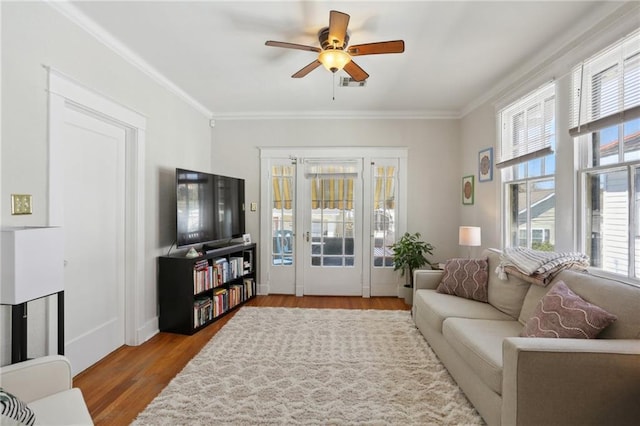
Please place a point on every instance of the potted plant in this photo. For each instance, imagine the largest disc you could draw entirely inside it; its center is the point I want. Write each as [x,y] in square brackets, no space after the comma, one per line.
[409,255]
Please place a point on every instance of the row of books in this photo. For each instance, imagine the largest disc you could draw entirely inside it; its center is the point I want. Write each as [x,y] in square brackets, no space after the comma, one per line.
[207,276]
[205,309]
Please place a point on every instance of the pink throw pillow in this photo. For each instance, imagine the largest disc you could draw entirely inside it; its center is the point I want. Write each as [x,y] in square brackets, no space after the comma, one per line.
[466,278]
[562,313]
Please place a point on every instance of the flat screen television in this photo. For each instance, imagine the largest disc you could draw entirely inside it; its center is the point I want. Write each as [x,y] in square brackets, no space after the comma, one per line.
[209,208]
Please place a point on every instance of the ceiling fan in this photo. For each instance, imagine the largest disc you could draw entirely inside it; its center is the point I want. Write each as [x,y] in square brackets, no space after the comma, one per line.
[334,53]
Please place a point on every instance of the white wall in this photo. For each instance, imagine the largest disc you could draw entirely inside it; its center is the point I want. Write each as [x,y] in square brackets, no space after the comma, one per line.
[478,132]
[33,34]
[434,152]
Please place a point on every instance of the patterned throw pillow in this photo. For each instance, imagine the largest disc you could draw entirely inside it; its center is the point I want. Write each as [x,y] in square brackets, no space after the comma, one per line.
[14,409]
[466,278]
[562,313]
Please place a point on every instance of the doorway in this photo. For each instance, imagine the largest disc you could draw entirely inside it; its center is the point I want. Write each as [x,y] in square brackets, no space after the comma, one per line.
[330,215]
[96,178]
[332,221]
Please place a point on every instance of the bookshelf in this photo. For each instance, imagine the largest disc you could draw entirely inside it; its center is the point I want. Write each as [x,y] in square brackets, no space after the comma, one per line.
[195,292]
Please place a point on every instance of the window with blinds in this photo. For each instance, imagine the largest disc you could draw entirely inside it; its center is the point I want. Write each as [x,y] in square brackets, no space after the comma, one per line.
[606,87]
[528,127]
[606,123]
[527,159]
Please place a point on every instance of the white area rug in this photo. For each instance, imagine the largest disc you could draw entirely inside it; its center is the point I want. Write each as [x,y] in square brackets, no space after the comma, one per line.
[313,366]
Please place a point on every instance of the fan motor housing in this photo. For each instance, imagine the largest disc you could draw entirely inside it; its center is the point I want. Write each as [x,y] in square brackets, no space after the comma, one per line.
[325,43]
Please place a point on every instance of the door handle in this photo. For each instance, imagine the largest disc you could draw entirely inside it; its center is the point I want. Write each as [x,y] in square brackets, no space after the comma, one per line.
[307,236]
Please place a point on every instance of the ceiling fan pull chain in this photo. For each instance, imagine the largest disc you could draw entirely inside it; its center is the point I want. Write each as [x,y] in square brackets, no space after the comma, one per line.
[333,84]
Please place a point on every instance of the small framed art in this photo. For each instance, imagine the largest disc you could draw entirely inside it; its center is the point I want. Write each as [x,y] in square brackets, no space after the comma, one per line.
[467,190]
[246,239]
[485,165]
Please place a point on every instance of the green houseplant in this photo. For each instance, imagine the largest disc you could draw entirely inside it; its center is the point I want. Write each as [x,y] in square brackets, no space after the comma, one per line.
[409,255]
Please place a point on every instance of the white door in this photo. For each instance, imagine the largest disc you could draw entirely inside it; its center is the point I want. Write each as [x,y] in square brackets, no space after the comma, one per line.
[94,194]
[332,227]
[384,197]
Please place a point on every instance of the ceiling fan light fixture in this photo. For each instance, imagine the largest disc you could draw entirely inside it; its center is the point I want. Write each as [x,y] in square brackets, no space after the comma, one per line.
[334,59]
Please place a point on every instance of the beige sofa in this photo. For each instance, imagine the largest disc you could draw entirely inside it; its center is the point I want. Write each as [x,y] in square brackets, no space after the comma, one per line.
[515,380]
[45,385]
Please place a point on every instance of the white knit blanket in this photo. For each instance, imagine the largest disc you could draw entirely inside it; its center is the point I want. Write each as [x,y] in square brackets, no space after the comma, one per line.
[531,262]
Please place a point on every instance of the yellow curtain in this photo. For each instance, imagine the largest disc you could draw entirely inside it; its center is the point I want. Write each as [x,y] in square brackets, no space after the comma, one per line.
[378,188]
[384,187]
[331,192]
[282,179]
[277,193]
[389,190]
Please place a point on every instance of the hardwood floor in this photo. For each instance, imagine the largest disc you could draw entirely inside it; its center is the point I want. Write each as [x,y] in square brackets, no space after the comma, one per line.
[121,385]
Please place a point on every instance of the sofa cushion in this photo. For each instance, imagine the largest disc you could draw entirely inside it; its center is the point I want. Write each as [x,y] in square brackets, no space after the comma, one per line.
[62,408]
[465,278]
[436,307]
[479,344]
[562,313]
[506,295]
[616,297]
[13,408]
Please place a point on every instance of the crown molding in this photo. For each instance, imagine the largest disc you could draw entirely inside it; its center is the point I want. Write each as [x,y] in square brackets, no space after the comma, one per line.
[68,10]
[610,15]
[339,115]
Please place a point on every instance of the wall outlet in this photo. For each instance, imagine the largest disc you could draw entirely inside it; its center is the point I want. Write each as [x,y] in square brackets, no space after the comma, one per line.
[21,204]
[254,207]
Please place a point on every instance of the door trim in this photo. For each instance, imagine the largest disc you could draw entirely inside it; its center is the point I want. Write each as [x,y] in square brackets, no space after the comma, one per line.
[64,91]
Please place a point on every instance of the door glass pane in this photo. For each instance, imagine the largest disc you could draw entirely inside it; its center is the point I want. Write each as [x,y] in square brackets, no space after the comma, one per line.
[332,213]
[608,220]
[384,229]
[282,215]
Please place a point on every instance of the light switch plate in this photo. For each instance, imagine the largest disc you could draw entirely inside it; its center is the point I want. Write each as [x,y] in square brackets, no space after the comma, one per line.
[21,204]
[254,207]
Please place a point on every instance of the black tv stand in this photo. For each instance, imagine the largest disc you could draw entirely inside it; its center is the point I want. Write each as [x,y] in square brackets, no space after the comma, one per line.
[195,292]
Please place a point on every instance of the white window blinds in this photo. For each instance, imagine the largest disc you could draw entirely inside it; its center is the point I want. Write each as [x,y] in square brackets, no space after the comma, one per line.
[528,127]
[606,87]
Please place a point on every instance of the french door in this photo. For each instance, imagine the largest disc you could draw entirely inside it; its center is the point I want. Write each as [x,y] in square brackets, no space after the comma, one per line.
[332,227]
[331,217]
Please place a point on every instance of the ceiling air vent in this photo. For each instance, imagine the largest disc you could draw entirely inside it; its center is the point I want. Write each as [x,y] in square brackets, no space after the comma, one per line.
[350,82]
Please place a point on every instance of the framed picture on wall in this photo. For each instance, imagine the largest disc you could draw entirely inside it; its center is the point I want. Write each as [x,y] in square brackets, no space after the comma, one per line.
[467,190]
[485,165]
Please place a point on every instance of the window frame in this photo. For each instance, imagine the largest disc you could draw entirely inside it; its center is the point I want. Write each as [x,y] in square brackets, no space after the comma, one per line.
[518,171]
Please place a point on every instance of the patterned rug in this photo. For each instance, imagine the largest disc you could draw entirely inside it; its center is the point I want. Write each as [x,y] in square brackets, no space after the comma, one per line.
[278,366]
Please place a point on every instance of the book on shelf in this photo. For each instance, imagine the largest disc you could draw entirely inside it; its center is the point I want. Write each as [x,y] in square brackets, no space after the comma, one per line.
[220,301]
[202,311]
[201,276]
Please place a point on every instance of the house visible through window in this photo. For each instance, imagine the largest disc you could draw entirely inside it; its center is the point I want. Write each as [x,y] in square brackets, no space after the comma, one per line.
[606,119]
[528,138]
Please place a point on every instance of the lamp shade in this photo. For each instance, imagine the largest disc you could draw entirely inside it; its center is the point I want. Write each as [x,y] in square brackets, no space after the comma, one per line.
[32,263]
[469,236]
[334,59]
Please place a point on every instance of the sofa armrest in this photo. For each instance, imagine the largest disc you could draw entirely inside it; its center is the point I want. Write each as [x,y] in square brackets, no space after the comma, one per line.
[570,381]
[426,278]
[36,378]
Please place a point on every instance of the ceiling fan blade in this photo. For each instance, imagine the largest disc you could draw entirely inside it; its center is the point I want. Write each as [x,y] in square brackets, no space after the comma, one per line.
[306,70]
[338,23]
[292,46]
[395,46]
[354,70]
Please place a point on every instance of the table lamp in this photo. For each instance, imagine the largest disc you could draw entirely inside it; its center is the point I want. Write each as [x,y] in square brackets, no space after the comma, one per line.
[469,236]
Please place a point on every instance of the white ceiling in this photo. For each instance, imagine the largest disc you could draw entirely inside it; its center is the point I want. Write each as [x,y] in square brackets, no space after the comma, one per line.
[456,52]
